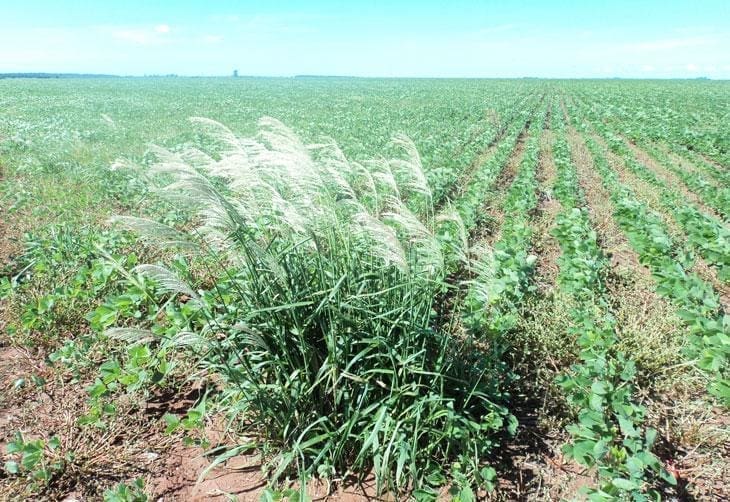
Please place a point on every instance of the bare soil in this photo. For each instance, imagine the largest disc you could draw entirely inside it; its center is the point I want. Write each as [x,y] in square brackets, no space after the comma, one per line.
[546,246]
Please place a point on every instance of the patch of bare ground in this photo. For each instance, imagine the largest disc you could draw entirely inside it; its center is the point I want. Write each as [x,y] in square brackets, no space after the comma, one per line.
[649,195]
[9,246]
[39,404]
[542,475]
[182,475]
[11,359]
[241,478]
[546,246]
[532,465]
[670,178]
[694,442]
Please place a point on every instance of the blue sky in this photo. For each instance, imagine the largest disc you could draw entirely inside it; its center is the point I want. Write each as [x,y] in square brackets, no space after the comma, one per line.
[457,38]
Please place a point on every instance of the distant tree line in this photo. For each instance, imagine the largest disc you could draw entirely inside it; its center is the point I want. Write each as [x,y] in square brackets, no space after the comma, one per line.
[56,75]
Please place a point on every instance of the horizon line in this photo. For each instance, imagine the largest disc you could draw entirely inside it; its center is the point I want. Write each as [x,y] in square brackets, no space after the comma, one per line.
[50,75]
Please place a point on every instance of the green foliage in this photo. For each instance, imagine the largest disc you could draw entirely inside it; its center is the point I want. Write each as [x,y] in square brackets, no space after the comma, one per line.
[127,493]
[37,460]
[704,232]
[608,432]
[320,321]
[503,278]
[341,358]
[699,304]
[711,192]
[470,202]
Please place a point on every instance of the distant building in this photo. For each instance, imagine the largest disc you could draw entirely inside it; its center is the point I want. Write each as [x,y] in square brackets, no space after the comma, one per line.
[235,73]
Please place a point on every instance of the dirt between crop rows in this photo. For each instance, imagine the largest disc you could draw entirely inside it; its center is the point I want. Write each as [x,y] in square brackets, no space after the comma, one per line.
[671,179]
[688,165]
[8,355]
[649,195]
[600,209]
[493,208]
[546,247]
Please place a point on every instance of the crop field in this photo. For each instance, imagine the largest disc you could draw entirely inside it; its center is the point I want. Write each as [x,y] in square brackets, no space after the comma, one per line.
[364,289]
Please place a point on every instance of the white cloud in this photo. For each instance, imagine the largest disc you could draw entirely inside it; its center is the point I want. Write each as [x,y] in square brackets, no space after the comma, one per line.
[648,68]
[162,28]
[692,67]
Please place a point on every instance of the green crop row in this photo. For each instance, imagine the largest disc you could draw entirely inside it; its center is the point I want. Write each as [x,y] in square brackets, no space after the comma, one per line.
[469,205]
[716,173]
[700,305]
[717,197]
[704,233]
[608,433]
[504,272]
[657,112]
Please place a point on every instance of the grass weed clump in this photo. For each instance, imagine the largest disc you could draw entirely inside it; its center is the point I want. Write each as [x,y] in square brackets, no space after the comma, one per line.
[321,322]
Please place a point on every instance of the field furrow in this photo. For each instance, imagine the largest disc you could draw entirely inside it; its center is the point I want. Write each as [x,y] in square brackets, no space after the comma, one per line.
[516,121]
[470,201]
[700,305]
[504,266]
[648,326]
[608,433]
[690,161]
[670,179]
[600,209]
[493,209]
[697,231]
[703,188]
[645,193]
[545,246]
